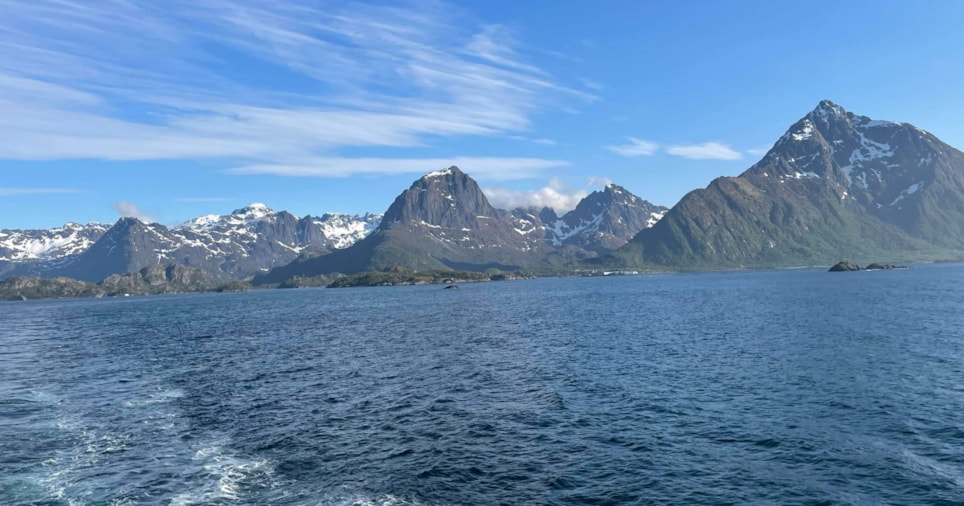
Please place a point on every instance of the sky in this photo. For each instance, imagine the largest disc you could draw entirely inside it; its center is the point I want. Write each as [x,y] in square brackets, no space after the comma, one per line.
[172,110]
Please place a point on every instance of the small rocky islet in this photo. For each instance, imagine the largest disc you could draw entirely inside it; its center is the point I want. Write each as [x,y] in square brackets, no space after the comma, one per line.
[846,266]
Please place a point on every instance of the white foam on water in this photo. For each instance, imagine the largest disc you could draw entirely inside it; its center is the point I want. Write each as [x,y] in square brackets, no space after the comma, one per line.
[155,398]
[225,474]
[366,500]
[62,474]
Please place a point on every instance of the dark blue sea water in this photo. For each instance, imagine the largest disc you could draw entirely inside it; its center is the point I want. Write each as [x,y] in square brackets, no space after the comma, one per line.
[783,387]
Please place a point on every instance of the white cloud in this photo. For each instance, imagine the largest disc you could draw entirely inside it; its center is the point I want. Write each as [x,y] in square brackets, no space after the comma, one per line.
[544,142]
[479,168]
[705,151]
[600,181]
[75,83]
[8,191]
[636,147]
[130,210]
[558,200]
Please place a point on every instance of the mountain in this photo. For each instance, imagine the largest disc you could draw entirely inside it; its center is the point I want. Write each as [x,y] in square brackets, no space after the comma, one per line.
[604,220]
[835,185]
[19,247]
[237,245]
[444,221]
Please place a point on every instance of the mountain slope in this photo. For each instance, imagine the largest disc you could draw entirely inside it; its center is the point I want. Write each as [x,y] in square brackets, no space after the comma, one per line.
[835,185]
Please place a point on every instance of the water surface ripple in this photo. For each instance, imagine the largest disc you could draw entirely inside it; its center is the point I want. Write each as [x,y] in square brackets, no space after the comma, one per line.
[784,387]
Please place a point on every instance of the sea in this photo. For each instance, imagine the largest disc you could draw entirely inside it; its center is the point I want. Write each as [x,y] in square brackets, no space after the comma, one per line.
[753,387]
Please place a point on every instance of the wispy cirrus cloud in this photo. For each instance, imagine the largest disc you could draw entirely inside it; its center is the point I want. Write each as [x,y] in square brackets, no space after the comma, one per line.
[481,167]
[635,147]
[705,151]
[9,191]
[74,83]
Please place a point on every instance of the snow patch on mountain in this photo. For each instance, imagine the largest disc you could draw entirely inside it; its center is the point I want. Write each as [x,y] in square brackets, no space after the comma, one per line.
[868,151]
[827,109]
[253,237]
[343,230]
[804,133]
[438,173]
[654,217]
[26,245]
[910,190]
[560,231]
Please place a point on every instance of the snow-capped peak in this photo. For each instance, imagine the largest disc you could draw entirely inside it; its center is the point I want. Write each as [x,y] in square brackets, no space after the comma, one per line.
[71,238]
[827,109]
[255,208]
[202,222]
[439,173]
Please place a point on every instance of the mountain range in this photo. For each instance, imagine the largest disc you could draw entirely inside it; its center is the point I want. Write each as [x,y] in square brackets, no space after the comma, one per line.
[444,221]
[835,186]
[233,246]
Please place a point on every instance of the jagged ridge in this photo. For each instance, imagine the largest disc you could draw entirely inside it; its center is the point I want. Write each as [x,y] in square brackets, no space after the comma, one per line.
[233,246]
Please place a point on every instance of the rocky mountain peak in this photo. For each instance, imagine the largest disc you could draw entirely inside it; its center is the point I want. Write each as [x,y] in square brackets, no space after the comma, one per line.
[451,171]
[827,110]
[621,195]
[254,209]
[447,198]
[604,219]
[878,164]
[128,222]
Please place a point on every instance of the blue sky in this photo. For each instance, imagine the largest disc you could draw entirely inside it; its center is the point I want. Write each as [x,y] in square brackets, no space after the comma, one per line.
[171,110]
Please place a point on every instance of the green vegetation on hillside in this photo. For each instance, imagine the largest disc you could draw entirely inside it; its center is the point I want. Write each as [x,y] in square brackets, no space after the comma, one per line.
[400,276]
